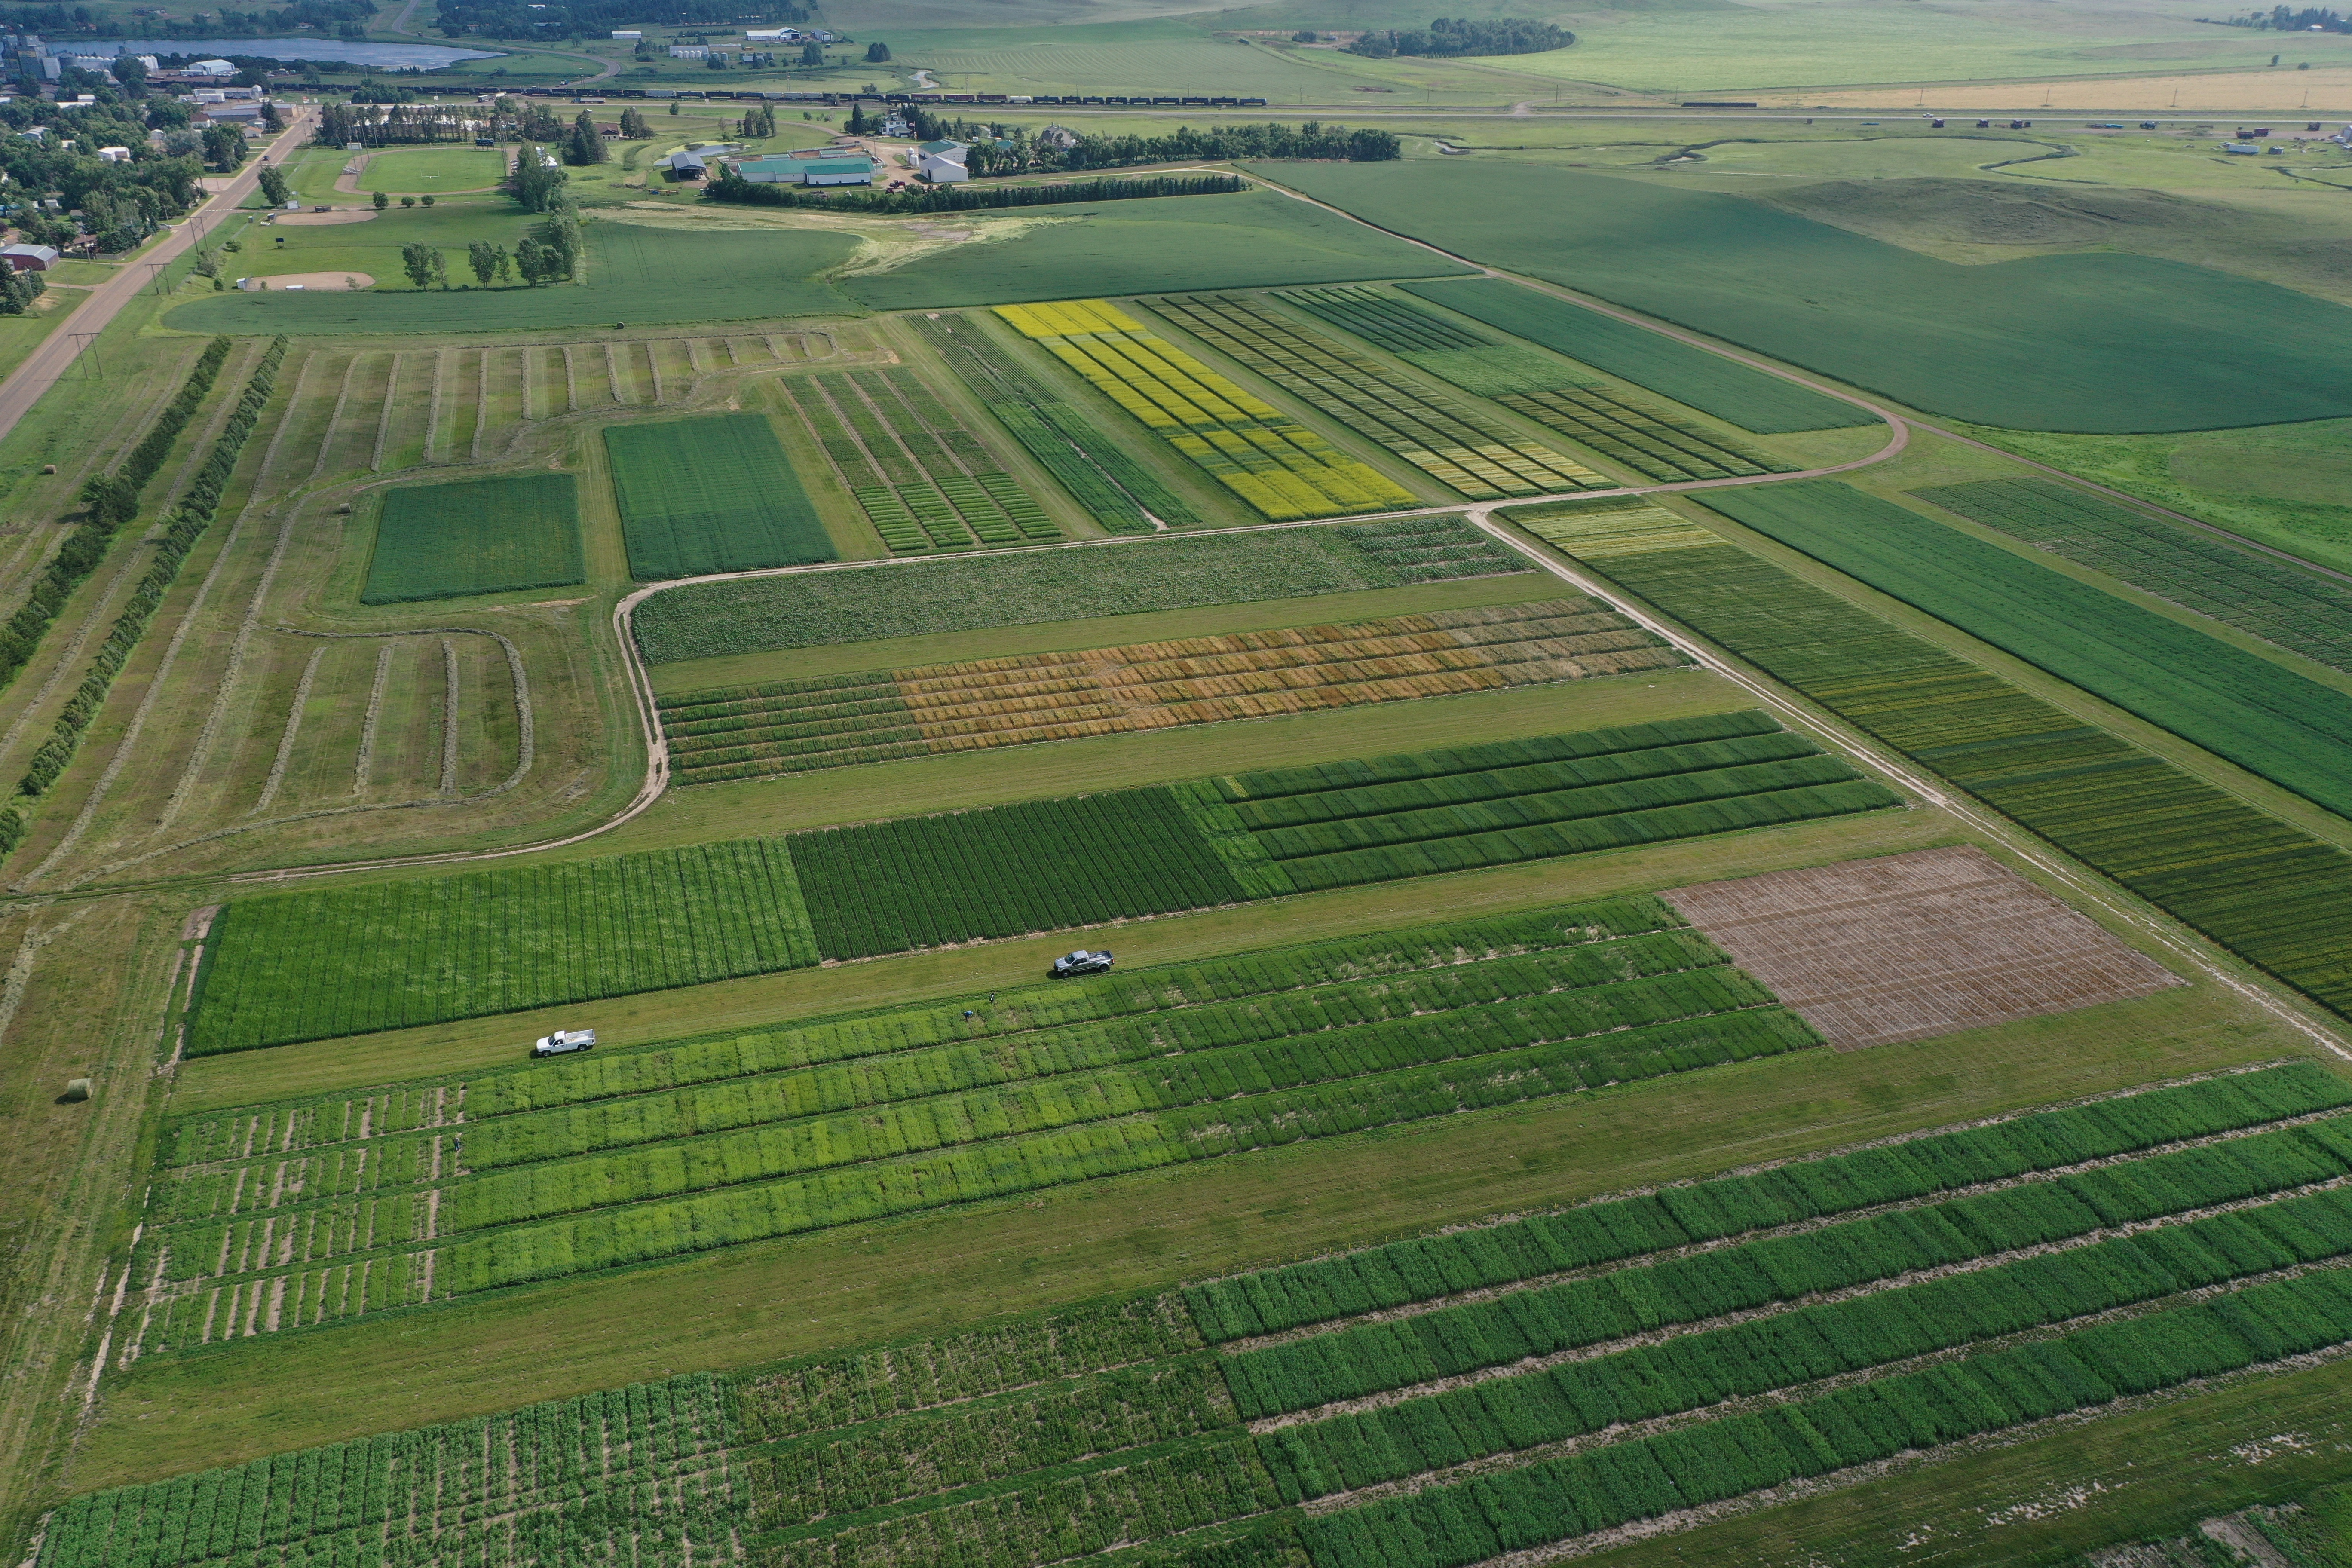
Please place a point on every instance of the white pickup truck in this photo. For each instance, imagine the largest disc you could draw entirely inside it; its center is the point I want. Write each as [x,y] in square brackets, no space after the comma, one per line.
[564,1042]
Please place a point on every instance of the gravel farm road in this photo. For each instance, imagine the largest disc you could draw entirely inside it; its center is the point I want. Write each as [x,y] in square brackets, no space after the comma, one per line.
[49,363]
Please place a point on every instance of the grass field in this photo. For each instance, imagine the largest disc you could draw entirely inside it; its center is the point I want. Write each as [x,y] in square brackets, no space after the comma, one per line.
[475,536]
[711,494]
[2096,343]
[723,619]
[436,170]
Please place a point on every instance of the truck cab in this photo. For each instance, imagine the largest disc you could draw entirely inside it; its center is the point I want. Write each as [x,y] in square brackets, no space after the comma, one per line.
[564,1042]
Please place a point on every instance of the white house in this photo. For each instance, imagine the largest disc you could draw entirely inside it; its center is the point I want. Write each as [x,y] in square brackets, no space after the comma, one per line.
[114,155]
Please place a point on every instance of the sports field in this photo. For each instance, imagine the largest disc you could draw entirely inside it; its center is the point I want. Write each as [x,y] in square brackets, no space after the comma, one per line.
[1169,883]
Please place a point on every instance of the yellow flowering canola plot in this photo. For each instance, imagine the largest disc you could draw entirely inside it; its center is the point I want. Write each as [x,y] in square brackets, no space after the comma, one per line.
[1279,467]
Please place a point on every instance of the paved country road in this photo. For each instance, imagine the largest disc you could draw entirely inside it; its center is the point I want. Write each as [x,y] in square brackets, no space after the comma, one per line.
[48,364]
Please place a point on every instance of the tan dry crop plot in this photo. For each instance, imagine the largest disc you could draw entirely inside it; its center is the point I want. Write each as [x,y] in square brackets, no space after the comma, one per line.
[1874,952]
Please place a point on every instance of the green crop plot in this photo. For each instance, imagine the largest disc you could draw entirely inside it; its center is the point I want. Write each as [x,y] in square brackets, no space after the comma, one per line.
[1995,1254]
[2261,715]
[403,953]
[715,619]
[2275,895]
[2292,607]
[711,494]
[1708,382]
[2091,342]
[475,536]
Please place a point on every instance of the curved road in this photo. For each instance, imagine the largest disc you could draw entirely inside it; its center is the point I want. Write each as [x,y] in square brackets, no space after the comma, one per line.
[49,363]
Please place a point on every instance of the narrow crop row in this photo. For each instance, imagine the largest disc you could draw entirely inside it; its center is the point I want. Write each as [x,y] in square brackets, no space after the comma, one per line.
[1652,445]
[1469,453]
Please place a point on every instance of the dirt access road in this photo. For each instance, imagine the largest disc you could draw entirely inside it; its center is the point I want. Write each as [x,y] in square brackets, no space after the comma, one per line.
[49,363]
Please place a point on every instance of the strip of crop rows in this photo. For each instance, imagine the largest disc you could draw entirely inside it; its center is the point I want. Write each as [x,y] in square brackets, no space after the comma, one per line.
[558,1192]
[792,726]
[2268,891]
[1276,464]
[2293,608]
[1113,488]
[1478,456]
[1110,1424]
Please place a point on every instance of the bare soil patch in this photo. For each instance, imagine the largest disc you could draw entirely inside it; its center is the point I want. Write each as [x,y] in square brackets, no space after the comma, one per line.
[336,282]
[1906,946]
[314,220]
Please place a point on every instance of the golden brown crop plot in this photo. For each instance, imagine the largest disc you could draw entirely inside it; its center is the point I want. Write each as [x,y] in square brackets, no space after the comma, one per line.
[1874,952]
[794,726]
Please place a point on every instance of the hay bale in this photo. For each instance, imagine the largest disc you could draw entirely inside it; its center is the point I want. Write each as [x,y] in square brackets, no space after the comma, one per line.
[79,1089]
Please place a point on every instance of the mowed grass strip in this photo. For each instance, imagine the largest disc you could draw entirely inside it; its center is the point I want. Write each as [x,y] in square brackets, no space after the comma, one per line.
[711,494]
[475,536]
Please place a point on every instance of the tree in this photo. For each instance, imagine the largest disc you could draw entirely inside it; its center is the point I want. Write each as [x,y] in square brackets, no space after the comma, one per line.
[483,257]
[426,200]
[672,106]
[271,119]
[225,148]
[18,291]
[876,53]
[536,183]
[531,261]
[812,54]
[380,200]
[632,126]
[408,201]
[131,75]
[1303,35]
[274,185]
[421,262]
[858,121]
[585,144]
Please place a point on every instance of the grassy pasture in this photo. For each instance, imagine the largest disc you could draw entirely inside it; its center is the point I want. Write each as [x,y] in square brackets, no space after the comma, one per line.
[475,536]
[2090,342]
[1255,239]
[711,494]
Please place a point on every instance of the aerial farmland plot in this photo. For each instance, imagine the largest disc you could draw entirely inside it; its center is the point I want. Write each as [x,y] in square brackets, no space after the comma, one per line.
[1606,824]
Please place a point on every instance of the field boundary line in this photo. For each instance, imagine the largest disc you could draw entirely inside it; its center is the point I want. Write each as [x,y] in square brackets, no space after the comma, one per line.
[2018,840]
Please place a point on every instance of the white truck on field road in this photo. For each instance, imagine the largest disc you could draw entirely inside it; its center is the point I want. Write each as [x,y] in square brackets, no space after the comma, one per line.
[564,1042]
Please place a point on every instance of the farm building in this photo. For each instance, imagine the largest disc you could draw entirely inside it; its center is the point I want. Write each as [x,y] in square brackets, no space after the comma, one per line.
[632,33]
[942,163]
[1060,136]
[773,170]
[686,165]
[689,52]
[837,171]
[29,258]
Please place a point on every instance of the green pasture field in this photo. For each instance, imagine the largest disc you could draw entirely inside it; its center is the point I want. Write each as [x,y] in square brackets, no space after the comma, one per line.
[923,598]
[638,275]
[2090,342]
[475,536]
[711,494]
[439,171]
[2266,718]
[1250,240]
